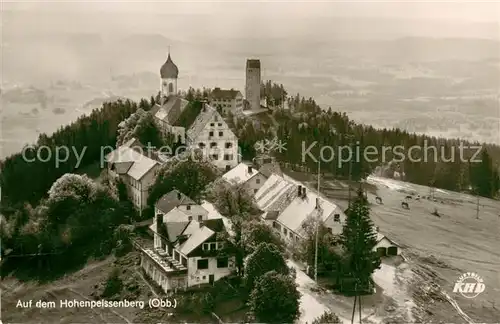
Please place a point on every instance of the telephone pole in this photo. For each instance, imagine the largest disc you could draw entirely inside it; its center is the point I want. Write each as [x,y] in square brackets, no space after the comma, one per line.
[317,230]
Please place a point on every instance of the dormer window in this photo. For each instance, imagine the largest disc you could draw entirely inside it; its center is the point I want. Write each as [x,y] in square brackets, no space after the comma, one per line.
[336,218]
[188,207]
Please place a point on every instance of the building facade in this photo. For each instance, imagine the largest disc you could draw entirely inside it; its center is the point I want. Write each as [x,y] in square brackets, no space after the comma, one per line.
[212,135]
[252,86]
[137,171]
[247,176]
[227,101]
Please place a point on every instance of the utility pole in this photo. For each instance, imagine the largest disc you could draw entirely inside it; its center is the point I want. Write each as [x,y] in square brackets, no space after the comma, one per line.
[350,169]
[317,230]
[477,206]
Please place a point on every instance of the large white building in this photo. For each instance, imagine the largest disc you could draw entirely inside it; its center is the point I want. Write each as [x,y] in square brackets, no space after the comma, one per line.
[210,133]
[252,86]
[187,251]
[136,170]
[227,101]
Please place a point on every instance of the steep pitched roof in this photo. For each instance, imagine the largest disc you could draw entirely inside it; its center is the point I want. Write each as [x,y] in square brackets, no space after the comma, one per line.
[270,168]
[206,114]
[301,208]
[169,70]
[172,109]
[141,164]
[173,199]
[219,94]
[274,189]
[240,173]
[174,229]
[195,240]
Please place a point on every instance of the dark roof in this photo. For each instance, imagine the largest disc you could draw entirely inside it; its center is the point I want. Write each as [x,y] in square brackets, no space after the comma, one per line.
[219,93]
[121,167]
[216,224]
[174,107]
[171,200]
[175,229]
[253,64]
[189,114]
[269,168]
[272,215]
[169,70]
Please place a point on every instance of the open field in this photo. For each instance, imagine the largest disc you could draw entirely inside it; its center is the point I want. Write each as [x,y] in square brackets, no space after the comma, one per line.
[440,249]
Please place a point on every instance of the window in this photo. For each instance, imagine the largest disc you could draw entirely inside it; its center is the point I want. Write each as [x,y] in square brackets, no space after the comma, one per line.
[221,134]
[285,231]
[200,218]
[212,124]
[222,262]
[213,144]
[215,156]
[188,207]
[229,145]
[228,157]
[204,277]
[190,218]
[201,145]
[202,264]
[257,181]
[255,190]
[336,218]
[219,124]
[213,246]
[205,247]
[291,234]
[228,167]
[211,133]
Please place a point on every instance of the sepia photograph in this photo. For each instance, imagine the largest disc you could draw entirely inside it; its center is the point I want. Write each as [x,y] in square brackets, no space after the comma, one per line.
[249,161]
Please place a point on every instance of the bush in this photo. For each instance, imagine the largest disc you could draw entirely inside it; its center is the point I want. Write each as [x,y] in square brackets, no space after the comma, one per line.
[114,284]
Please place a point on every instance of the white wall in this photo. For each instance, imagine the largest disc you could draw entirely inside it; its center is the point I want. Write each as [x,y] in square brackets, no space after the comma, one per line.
[227,137]
[194,273]
[385,243]
[252,88]
[255,183]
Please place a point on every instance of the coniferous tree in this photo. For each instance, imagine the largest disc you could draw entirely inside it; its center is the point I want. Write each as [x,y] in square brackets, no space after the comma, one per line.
[358,239]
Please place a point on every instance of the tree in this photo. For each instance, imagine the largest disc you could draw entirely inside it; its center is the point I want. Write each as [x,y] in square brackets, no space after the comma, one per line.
[358,239]
[266,257]
[234,202]
[184,174]
[114,284]
[255,233]
[147,132]
[329,256]
[275,299]
[327,318]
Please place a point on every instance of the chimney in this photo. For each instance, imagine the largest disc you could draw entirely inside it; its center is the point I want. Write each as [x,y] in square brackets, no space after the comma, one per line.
[299,190]
[249,169]
[317,202]
[303,192]
[179,196]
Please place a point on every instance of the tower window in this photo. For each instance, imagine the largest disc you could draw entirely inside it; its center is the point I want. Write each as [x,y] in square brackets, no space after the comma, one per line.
[170,87]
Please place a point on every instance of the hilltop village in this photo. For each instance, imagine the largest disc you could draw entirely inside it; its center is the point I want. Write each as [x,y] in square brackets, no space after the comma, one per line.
[186,234]
[183,206]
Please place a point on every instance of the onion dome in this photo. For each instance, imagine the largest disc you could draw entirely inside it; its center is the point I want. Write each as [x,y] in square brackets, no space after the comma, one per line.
[169,70]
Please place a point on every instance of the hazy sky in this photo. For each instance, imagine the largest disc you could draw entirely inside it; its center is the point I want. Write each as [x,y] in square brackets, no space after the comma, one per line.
[447,10]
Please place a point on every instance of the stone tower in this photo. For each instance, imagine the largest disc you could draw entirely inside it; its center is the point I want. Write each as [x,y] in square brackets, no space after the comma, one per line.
[168,73]
[252,87]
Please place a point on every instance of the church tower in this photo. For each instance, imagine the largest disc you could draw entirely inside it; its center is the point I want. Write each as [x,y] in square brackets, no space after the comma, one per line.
[168,73]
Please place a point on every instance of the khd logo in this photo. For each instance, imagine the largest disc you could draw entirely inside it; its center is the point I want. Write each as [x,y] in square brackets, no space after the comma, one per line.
[469,285]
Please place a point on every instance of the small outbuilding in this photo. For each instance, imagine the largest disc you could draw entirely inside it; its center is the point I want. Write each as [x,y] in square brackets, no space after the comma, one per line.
[386,247]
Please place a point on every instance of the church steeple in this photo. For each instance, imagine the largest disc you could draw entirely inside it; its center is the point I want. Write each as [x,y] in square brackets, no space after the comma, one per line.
[168,74]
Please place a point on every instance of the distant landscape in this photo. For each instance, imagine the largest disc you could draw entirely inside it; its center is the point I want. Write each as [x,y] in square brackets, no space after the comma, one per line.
[445,86]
